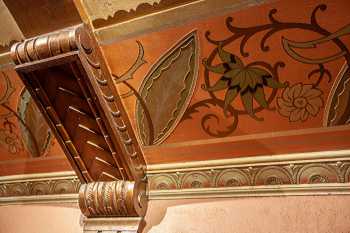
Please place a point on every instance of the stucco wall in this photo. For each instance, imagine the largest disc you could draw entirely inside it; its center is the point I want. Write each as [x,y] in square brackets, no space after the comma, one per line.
[39,219]
[322,214]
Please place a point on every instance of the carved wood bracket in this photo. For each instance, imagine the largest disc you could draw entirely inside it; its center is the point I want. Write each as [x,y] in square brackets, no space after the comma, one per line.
[67,76]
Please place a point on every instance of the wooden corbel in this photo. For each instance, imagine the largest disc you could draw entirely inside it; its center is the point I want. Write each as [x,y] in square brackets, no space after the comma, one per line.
[67,76]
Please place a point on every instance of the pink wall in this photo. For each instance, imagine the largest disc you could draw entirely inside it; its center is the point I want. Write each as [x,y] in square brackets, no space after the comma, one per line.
[39,219]
[322,214]
[319,214]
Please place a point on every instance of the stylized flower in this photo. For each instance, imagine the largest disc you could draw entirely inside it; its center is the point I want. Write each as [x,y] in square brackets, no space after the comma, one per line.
[11,141]
[299,101]
[248,81]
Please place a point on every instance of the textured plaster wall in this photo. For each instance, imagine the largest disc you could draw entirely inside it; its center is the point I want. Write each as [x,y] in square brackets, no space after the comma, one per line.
[39,219]
[322,214]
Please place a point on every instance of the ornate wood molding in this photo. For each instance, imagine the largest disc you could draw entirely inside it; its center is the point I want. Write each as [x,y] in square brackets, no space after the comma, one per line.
[57,187]
[67,76]
[264,173]
[320,173]
[117,198]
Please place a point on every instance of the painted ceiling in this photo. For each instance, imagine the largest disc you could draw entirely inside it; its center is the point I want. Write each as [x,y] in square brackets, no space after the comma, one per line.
[265,80]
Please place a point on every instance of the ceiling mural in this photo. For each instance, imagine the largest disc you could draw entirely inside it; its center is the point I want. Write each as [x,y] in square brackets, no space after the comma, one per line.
[262,70]
[337,108]
[169,84]
[34,130]
[26,142]
[265,80]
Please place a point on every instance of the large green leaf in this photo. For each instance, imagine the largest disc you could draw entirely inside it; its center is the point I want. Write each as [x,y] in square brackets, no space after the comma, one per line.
[166,91]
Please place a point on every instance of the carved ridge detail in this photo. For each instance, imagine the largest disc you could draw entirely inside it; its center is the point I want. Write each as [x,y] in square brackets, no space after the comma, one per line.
[118,117]
[334,171]
[67,76]
[34,187]
[43,47]
[289,173]
[116,198]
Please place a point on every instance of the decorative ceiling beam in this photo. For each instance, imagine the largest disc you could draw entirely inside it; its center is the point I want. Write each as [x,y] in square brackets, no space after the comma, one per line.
[67,76]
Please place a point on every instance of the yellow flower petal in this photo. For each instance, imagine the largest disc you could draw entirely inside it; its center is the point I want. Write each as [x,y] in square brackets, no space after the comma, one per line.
[313,93]
[313,110]
[296,90]
[304,114]
[295,115]
[306,89]
[284,107]
[287,94]
[317,102]
[282,103]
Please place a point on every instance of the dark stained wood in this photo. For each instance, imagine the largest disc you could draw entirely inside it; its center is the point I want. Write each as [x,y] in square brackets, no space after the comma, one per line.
[67,78]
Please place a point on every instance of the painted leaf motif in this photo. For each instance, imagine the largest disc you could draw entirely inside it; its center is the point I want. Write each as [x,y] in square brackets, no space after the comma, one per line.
[35,133]
[338,105]
[166,91]
[7,87]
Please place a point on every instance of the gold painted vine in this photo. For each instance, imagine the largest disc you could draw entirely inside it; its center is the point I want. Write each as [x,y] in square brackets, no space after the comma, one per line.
[297,102]
[258,84]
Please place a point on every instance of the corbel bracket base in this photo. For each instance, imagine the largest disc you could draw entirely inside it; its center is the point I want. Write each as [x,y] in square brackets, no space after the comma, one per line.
[113,225]
[115,206]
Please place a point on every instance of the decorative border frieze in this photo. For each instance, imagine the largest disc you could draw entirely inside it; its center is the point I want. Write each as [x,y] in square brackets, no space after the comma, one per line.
[315,173]
[292,170]
[44,187]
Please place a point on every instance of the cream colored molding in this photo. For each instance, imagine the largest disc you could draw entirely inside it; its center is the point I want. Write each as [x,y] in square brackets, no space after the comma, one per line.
[313,173]
[40,199]
[252,191]
[171,17]
[60,187]
[251,173]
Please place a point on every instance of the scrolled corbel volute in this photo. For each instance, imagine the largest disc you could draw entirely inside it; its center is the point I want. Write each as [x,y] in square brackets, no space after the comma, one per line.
[115,198]
[115,206]
[68,78]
